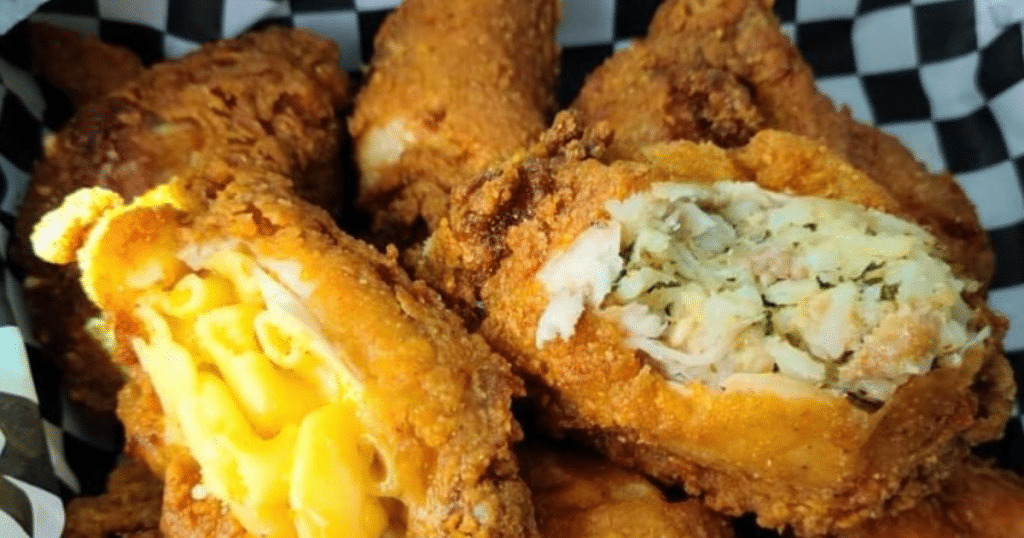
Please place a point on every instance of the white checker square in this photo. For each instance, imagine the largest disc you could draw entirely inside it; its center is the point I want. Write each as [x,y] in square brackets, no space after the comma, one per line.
[371,5]
[1008,109]
[789,30]
[152,13]
[922,140]
[848,91]
[81,24]
[15,375]
[996,194]
[176,47]
[950,92]
[883,40]
[586,22]
[1010,301]
[822,11]
[993,16]
[239,15]
[339,26]
[621,44]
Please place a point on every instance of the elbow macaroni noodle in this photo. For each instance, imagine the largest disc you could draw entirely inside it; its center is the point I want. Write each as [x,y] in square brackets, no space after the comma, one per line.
[252,389]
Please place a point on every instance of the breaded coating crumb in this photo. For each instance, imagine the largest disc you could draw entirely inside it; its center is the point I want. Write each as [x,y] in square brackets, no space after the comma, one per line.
[130,507]
[578,495]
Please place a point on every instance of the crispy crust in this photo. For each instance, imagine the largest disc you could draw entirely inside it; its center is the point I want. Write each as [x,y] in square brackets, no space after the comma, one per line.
[435,394]
[722,71]
[976,501]
[130,507]
[831,465]
[469,82]
[578,495]
[265,100]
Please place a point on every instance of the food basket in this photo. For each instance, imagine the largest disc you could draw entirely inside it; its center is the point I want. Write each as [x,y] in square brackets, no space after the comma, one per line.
[944,76]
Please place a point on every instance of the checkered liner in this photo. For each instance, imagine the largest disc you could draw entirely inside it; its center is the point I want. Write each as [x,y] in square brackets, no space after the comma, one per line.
[944,76]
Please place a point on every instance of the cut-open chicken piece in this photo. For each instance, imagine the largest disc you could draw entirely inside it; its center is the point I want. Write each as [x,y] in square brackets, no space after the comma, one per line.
[754,324]
[286,379]
[453,86]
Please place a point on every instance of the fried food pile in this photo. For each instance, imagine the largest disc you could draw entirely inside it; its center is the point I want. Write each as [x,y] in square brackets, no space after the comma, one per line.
[736,298]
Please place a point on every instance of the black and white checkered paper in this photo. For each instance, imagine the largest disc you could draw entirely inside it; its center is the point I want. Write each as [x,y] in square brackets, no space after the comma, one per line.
[944,76]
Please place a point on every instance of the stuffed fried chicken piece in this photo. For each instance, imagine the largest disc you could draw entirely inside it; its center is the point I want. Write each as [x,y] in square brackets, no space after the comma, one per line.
[453,86]
[264,101]
[976,501]
[722,71]
[286,379]
[581,496]
[753,324]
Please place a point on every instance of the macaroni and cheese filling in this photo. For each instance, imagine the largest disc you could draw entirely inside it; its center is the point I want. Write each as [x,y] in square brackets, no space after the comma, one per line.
[260,399]
[747,289]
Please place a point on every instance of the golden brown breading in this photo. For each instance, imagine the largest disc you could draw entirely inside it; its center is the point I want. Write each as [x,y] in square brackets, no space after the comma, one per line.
[82,67]
[129,508]
[577,495]
[431,400]
[815,462]
[267,100]
[452,87]
[722,71]
[976,501]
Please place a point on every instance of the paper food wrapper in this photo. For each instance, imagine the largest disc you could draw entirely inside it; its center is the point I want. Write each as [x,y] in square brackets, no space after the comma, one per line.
[946,77]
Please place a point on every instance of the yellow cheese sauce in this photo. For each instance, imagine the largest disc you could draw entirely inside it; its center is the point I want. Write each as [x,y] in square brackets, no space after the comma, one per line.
[254,392]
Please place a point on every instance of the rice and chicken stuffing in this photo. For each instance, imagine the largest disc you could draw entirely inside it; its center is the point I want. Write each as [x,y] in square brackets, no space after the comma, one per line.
[567,267]
[730,284]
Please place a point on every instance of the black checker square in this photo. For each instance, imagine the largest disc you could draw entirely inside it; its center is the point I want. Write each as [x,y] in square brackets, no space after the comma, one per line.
[46,377]
[785,10]
[86,8]
[577,62]
[14,47]
[632,17]
[90,464]
[1002,63]
[945,29]
[369,23]
[897,96]
[971,142]
[313,6]
[21,133]
[867,6]
[143,40]
[827,46]
[195,21]
[1008,244]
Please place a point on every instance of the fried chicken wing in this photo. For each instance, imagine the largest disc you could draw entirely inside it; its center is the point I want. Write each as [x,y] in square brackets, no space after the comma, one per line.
[304,385]
[757,324]
[722,71]
[266,100]
[452,87]
[578,495]
[976,501]
[80,66]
